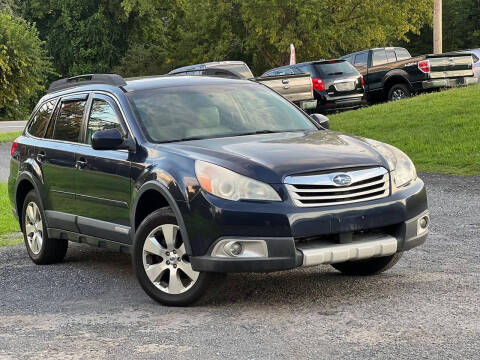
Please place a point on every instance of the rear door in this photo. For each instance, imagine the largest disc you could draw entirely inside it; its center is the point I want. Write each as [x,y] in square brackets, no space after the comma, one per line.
[379,66]
[102,177]
[56,156]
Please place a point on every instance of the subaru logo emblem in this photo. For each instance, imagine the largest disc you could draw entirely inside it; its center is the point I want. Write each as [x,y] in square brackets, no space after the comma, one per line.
[342,180]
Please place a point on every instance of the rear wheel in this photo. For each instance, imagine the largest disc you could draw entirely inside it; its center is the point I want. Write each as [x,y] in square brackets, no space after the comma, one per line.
[371,266]
[162,265]
[399,92]
[41,249]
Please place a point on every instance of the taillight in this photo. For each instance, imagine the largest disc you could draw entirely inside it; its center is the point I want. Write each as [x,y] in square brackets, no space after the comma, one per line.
[424,66]
[14,148]
[318,84]
[362,80]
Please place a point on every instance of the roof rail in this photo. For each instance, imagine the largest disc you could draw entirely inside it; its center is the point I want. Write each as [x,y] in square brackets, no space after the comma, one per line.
[108,79]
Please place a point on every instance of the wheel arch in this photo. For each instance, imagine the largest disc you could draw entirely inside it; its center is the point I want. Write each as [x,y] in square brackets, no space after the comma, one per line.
[394,79]
[25,184]
[152,196]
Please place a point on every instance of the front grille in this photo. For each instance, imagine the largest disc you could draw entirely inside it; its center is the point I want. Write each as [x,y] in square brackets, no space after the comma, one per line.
[321,190]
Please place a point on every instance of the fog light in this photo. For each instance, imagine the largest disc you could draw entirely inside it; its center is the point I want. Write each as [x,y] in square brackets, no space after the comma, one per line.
[424,222]
[233,248]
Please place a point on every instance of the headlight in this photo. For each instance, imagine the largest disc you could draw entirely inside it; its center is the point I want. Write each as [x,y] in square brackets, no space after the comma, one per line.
[229,185]
[402,167]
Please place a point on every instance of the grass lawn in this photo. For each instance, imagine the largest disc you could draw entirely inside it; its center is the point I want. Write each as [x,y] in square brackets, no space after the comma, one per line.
[8,224]
[439,131]
[9,137]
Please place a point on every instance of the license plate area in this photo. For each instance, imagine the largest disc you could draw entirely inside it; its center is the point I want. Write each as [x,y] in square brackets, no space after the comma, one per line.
[345,86]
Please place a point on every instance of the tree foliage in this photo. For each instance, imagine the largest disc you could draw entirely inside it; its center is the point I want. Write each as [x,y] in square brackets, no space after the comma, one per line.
[24,65]
[82,36]
[461,28]
[260,31]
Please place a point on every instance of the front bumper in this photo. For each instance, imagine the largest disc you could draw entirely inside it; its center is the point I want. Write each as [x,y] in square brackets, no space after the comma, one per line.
[448,83]
[310,236]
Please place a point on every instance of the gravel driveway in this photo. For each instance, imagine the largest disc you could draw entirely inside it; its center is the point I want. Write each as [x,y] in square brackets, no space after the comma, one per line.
[427,306]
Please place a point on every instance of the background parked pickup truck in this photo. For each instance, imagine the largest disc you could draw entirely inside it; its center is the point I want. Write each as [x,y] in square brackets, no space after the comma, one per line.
[392,74]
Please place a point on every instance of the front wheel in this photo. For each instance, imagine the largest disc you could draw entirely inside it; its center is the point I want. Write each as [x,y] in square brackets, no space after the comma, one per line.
[399,92]
[162,265]
[371,266]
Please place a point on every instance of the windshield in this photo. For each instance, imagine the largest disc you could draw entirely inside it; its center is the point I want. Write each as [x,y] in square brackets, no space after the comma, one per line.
[335,68]
[208,111]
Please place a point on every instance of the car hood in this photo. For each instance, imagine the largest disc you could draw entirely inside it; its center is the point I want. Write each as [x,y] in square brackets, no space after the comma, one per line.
[272,157]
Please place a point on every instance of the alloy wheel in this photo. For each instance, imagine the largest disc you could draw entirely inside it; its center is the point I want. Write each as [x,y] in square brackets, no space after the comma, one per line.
[34,228]
[166,262]
[398,94]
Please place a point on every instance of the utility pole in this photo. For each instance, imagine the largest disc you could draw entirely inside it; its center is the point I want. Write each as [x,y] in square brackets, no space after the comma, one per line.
[437,27]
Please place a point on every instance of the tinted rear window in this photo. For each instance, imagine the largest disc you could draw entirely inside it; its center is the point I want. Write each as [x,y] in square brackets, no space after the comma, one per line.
[334,69]
[69,121]
[40,119]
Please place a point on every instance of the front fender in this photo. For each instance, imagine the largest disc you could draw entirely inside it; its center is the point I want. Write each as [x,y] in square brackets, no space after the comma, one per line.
[176,206]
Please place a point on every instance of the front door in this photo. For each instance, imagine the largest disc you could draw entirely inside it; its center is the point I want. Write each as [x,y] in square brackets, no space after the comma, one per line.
[102,178]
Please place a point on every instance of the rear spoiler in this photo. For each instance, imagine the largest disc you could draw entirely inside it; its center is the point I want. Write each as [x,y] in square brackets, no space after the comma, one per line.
[280,77]
[331,61]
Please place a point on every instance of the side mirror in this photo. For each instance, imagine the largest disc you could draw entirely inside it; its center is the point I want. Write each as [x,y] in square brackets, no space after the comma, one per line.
[110,139]
[321,120]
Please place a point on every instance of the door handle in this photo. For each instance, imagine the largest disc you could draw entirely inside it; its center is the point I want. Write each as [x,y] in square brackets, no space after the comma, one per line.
[285,81]
[81,163]
[41,156]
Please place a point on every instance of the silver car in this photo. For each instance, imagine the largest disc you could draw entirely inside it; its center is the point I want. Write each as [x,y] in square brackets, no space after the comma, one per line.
[476,61]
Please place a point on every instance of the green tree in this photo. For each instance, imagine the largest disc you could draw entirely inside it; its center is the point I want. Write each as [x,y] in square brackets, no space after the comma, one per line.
[461,28]
[24,66]
[82,36]
[260,31]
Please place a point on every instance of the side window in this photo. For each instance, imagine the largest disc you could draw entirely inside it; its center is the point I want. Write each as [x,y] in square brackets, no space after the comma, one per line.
[102,117]
[284,72]
[379,57]
[269,73]
[391,56]
[40,120]
[361,59]
[402,54]
[69,121]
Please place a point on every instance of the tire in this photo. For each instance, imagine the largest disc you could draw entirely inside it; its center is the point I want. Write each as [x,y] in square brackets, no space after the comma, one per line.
[399,92]
[371,266]
[41,249]
[161,263]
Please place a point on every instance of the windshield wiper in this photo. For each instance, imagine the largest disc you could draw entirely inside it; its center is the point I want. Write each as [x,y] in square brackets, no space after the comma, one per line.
[336,73]
[230,135]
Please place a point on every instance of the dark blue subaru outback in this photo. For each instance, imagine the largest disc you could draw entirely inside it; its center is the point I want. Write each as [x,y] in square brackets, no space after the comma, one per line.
[197,176]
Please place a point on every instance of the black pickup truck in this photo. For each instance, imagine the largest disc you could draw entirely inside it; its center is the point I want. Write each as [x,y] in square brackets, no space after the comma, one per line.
[392,73]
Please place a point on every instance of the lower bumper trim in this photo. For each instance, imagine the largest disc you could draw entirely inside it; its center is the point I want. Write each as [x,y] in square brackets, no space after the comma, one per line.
[448,83]
[367,247]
